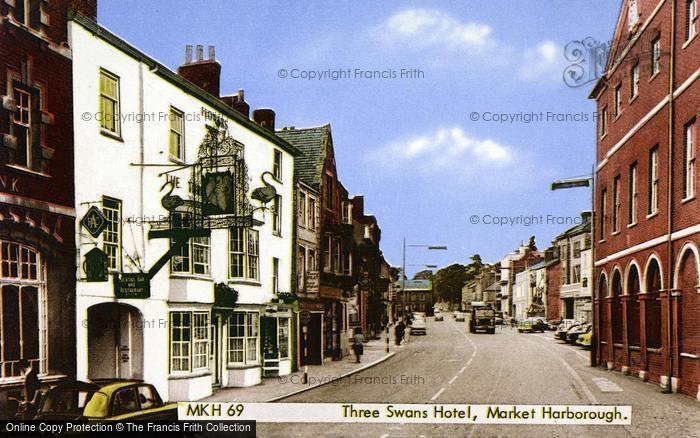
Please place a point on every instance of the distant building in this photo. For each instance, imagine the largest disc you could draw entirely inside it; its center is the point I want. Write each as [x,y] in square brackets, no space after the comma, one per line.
[510,266]
[413,296]
[573,247]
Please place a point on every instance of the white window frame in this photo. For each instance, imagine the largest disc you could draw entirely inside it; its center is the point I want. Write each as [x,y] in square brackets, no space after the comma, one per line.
[23,118]
[656,56]
[689,160]
[635,81]
[275,275]
[249,342]
[283,331]
[327,253]
[302,209]
[277,161]
[277,215]
[617,96]
[633,195]
[691,23]
[242,252]
[604,121]
[197,343]
[617,204]
[176,132]
[311,211]
[653,181]
[29,271]
[112,235]
[113,100]
[197,260]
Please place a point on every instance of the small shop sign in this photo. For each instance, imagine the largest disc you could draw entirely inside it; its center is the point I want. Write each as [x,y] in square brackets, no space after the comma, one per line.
[132,285]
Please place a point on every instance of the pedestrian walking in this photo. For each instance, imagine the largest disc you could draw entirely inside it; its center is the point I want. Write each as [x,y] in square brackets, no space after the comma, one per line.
[399,332]
[27,407]
[357,341]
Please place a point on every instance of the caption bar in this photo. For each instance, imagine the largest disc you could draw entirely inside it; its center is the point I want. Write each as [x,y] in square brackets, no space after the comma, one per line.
[230,427]
[407,413]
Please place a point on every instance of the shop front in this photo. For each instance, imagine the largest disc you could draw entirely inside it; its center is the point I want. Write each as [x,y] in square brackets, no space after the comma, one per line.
[276,327]
[311,345]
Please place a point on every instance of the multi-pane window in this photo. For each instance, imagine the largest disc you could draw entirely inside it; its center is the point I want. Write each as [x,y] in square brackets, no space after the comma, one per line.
[327,261]
[632,195]
[656,55]
[603,212]
[302,209]
[189,341]
[347,263]
[275,275]
[576,274]
[311,260]
[689,160]
[243,253]
[22,127]
[634,80]
[301,268]
[616,205]
[193,256]
[329,191]
[603,121]
[347,213]
[337,255]
[312,213]
[576,250]
[283,337]
[177,135]
[692,19]
[277,215]
[253,255]
[618,100]
[112,235]
[23,328]
[653,181]
[277,165]
[243,338]
[109,102]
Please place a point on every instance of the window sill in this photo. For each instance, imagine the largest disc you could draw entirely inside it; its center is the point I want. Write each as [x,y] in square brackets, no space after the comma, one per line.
[189,374]
[249,366]
[688,199]
[112,135]
[188,276]
[276,179]
[654,350]
[277,234]
[651,215]
[29,171]
[617,116]
[602,137]
[633,98]
[615,233]
[690,356]
[689,41]
[632,225]
[176,160]
[244,282]
[635,348]
[654,76]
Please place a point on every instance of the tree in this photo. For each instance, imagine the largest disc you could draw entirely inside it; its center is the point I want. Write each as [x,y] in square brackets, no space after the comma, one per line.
[448,282]
[423,275]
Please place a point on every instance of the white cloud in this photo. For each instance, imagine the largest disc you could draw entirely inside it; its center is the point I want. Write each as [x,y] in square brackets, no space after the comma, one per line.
[448,148]
[543,62]
[433,28]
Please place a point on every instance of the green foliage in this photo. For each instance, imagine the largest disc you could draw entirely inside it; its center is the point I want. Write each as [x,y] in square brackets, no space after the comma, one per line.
[423,275]
[448,282]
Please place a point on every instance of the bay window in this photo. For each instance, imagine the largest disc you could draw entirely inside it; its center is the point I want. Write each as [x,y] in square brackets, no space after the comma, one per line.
[243,336]
[189,341]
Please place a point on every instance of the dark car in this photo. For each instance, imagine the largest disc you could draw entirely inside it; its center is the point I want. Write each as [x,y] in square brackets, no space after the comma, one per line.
[64,401]
[531,325]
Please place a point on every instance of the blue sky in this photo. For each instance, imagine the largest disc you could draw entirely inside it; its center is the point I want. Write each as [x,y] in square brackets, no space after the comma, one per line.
[410,145]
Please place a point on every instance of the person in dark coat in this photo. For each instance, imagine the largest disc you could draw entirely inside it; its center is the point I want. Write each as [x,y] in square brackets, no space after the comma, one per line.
[357,346]
[399,332]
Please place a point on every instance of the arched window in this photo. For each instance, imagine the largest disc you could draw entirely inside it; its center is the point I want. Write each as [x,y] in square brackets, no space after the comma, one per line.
[633,306]
[616,311]
[23,309]
[652,315]
[689,302]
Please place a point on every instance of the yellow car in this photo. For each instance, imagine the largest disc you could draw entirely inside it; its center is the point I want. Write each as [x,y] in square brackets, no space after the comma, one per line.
[584,340]
[128,401]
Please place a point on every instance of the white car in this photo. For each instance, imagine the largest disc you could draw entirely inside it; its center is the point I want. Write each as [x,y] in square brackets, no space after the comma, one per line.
[460,316]
[418,327]
[438,316]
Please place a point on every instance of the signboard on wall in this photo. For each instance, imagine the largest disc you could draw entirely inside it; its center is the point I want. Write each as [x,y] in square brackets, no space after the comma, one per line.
[311,282]
[132,285]
[218,193]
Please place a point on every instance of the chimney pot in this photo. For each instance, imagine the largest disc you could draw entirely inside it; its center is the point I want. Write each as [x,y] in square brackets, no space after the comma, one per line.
[188,54]
[200,52]
[212,53]
[265,117]
[240,95]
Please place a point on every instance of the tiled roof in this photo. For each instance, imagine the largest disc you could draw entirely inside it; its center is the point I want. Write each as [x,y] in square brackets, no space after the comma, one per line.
[312,143]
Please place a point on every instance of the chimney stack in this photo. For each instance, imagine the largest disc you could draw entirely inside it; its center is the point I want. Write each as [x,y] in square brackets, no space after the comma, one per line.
[237,102]
[265,117]
[206,74]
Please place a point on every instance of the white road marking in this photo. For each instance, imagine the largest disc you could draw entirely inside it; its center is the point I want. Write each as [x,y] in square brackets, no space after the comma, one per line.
[437,395]
[384,436]
[452,380]
[579,380]
[606,385]
[462,370]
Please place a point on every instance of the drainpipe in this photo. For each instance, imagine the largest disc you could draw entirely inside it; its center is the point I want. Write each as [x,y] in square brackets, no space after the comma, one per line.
[669,196]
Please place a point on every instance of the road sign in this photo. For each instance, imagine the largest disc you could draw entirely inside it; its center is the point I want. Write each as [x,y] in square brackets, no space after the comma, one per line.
[94,221]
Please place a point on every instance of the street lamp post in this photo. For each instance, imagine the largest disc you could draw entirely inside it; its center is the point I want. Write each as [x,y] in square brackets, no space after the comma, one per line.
[403,267]
[586,182]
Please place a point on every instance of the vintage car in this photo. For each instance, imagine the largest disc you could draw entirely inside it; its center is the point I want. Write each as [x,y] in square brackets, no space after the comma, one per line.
[530,325]
[439,316]
[65,400]
[418,327]
[584,340]
[128,400]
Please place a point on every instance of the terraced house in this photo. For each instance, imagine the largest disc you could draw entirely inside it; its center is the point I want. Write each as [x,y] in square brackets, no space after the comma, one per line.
[185,237]
[647,300]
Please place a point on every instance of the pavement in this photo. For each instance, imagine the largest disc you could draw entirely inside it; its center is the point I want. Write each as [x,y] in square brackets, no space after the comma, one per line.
[330,373]
[449,365]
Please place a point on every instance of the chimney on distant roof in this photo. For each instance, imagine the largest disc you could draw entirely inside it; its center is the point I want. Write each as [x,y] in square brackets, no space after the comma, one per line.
[204,73]
[237,102]
[265,117]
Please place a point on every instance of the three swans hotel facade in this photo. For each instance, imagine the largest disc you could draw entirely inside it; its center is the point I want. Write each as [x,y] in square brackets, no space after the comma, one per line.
[211,313]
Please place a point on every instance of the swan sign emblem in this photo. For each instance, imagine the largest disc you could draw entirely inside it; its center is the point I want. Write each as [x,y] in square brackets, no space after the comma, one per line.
[218,194]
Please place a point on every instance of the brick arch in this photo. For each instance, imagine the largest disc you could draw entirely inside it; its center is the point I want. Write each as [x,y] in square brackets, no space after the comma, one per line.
[688,311]
[603,319]
[632,289]
[616,289]
[683,256]
[602,285]
[653,283]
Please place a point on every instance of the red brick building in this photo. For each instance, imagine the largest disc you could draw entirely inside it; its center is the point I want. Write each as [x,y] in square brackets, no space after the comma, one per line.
[37,269]
[646,202]
[553,288]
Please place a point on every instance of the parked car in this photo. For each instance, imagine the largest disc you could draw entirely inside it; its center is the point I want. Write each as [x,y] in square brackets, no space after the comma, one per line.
[574,332]
[439,316]
[419,315]
[530,325]
[418,327]
[584,340]
[460,316]
[128,400]
[563,327]
[65,400]
[553,325]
